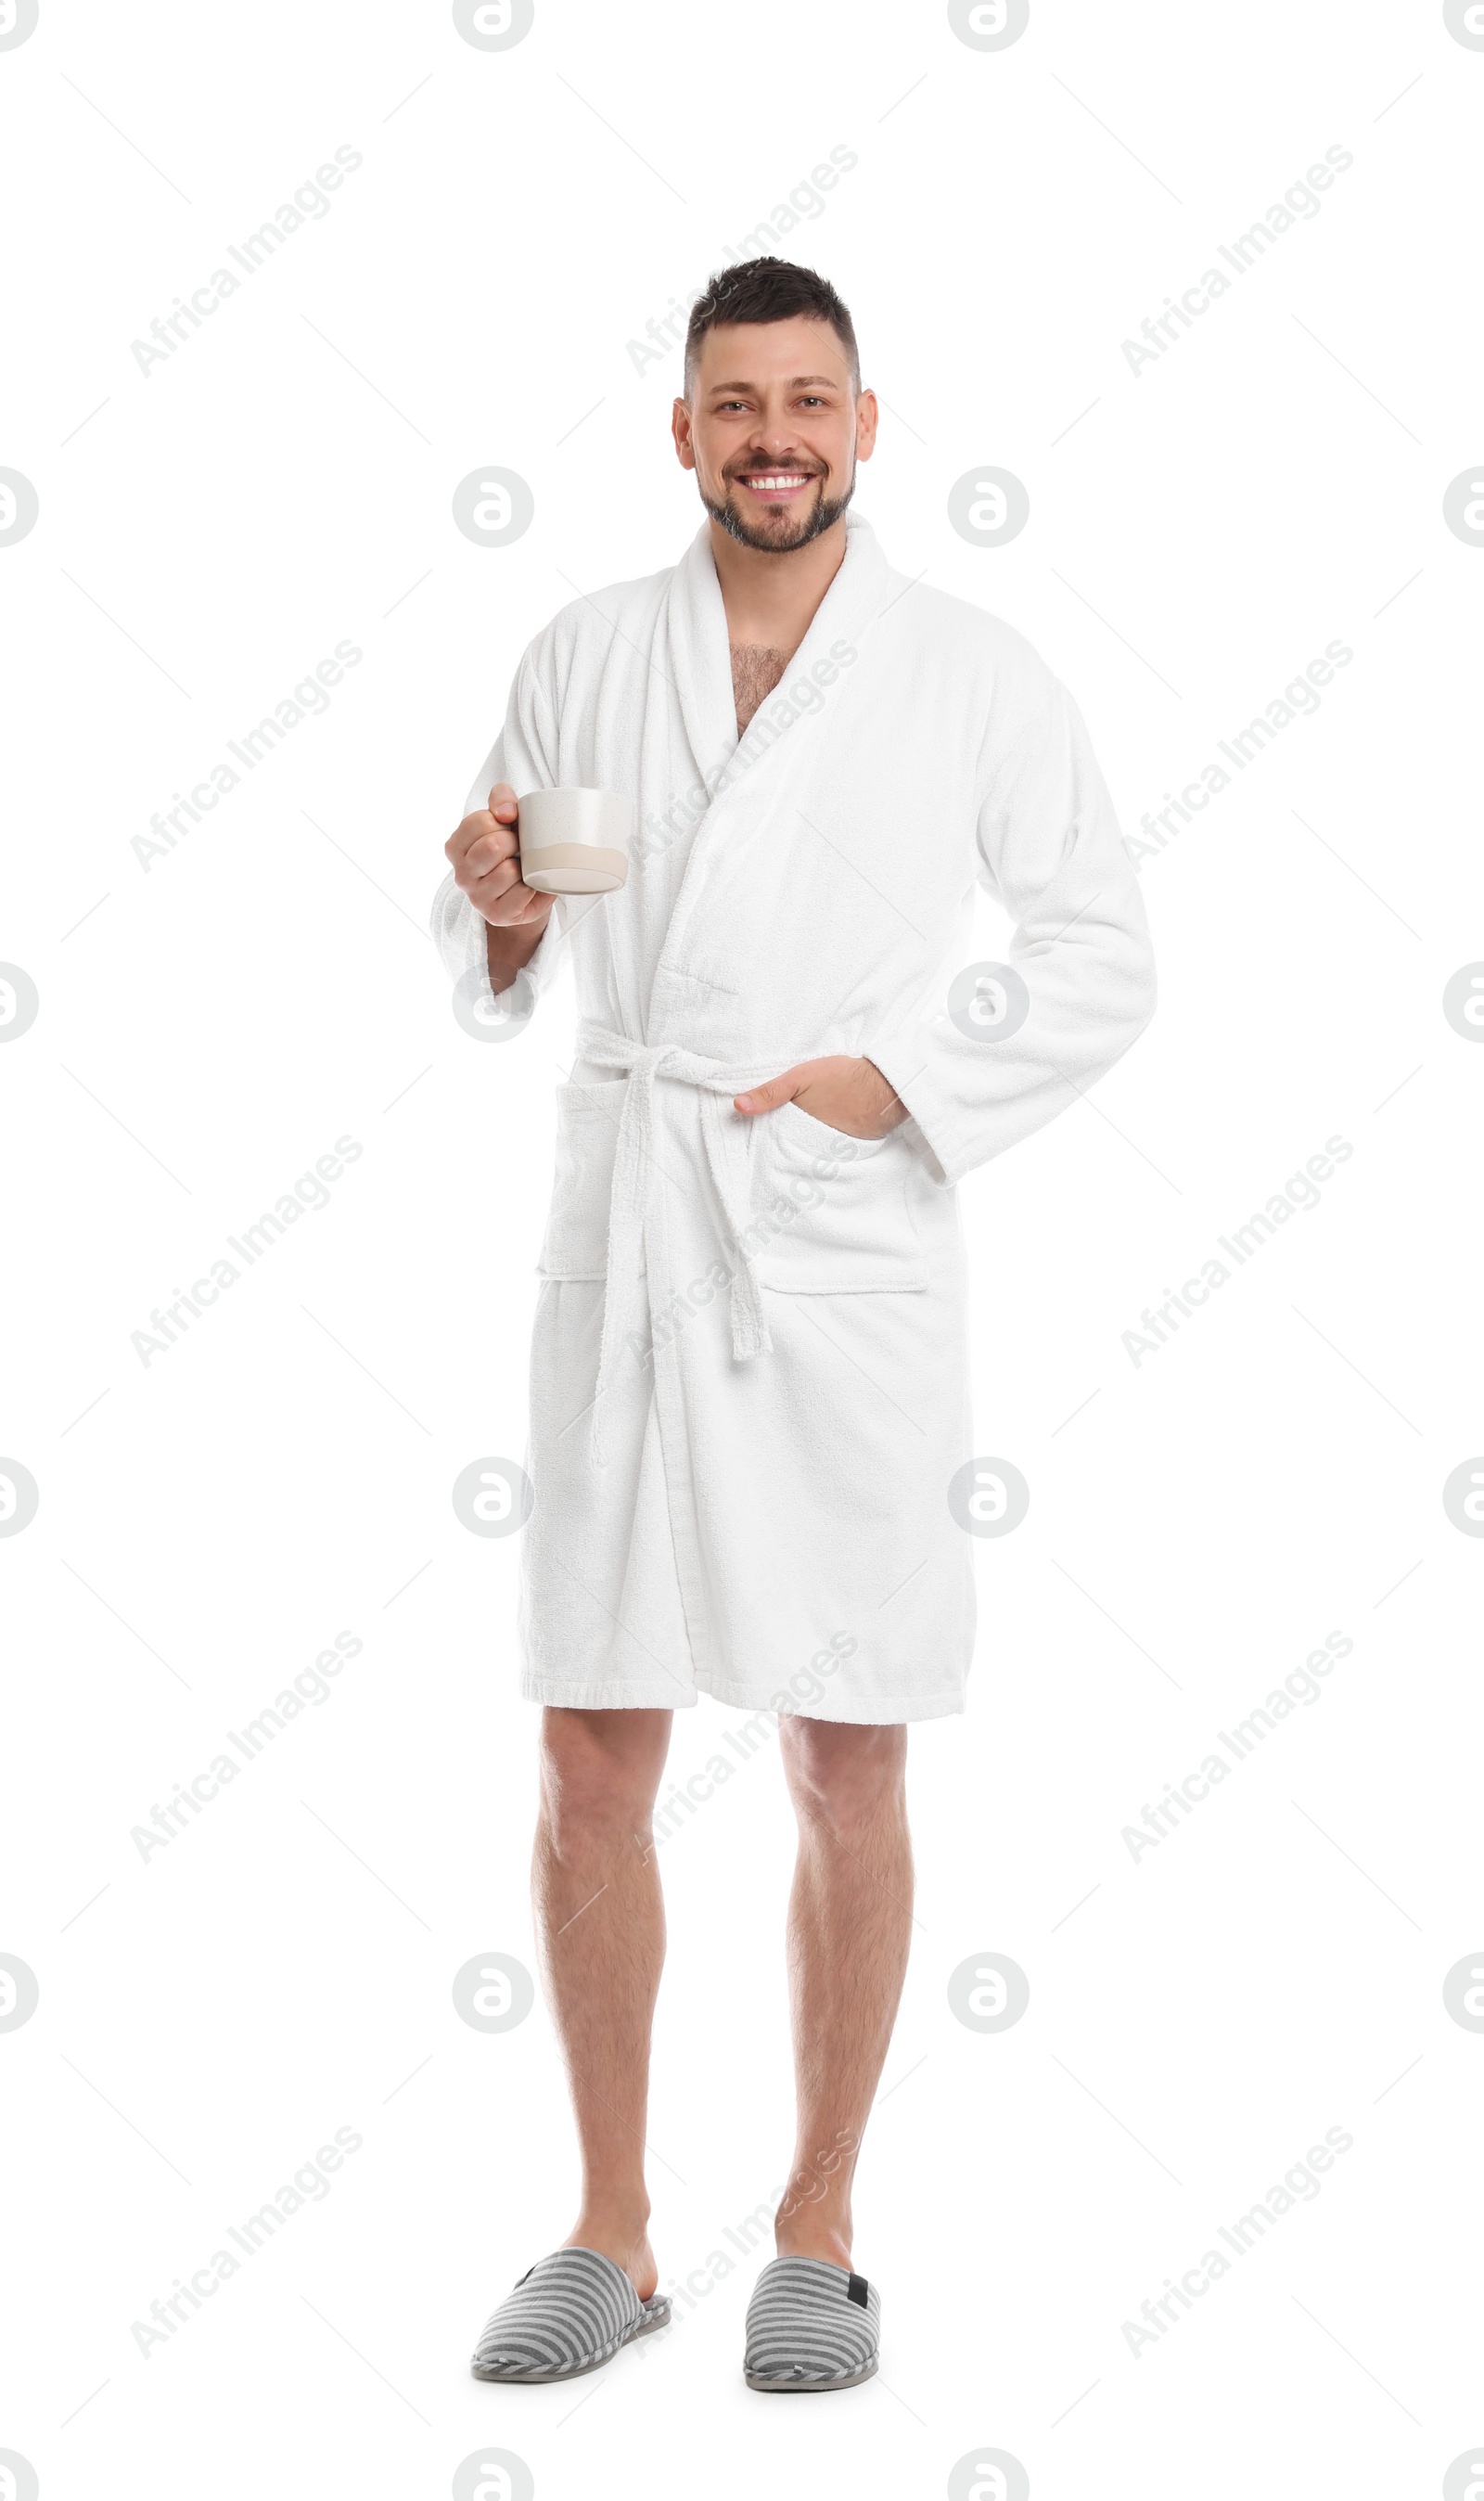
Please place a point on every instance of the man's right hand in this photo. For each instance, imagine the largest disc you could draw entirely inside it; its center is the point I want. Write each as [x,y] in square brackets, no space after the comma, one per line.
[485,857]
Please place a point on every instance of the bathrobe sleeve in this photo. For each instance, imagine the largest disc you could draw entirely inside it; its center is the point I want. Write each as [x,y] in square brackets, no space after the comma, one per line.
[525,754]
[1050,850]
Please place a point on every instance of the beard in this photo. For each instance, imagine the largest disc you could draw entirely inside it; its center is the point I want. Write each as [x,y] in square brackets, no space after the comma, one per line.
[780,541]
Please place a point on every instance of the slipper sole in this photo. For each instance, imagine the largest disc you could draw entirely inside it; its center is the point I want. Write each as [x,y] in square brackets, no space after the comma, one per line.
[808,2387]
[644,2326]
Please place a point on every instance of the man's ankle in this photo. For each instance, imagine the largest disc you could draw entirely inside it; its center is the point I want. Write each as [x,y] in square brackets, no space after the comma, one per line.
[813,2232]
[619,2233]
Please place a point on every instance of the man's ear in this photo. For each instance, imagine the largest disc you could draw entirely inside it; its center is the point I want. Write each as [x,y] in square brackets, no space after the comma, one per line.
[866,417]
[679,428]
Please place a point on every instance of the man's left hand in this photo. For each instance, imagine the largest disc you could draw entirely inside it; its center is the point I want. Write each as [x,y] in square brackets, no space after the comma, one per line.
[848,1094]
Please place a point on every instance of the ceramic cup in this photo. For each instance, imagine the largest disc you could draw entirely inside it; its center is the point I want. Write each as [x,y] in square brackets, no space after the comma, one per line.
[575,840]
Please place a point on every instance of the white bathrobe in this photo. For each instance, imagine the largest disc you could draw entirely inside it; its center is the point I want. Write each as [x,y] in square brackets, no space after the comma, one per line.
[748,1382]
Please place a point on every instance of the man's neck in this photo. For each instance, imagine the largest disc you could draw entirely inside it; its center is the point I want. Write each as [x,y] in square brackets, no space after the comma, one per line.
[769,600]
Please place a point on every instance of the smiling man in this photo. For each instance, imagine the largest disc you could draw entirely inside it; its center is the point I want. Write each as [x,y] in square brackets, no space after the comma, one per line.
[749,1371]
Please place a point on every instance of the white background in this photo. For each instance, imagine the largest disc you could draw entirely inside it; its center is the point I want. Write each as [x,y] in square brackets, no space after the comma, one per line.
[210,1025]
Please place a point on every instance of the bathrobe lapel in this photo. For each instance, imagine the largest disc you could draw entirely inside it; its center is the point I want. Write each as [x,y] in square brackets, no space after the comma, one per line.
[698,656]
[754,766]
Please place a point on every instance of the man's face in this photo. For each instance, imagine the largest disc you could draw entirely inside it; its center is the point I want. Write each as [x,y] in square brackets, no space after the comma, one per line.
[774,430]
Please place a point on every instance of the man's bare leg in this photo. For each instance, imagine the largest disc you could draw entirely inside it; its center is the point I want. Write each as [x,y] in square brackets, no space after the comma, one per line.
[601,1928]
[849,1925]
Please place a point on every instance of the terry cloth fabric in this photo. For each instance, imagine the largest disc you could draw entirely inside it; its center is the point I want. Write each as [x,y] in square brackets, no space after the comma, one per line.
[751,1335]
[810,2326]
[570,2313]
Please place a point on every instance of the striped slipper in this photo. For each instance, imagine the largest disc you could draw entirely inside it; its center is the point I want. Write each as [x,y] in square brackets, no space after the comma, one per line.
[810,2326]
[570,2313]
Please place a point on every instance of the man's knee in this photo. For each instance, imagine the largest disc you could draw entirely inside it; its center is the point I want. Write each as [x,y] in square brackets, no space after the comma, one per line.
[601,1767]
[841,1774]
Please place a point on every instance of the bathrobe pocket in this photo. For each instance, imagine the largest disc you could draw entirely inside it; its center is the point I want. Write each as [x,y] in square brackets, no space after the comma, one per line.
[833,1215]
[587,1117]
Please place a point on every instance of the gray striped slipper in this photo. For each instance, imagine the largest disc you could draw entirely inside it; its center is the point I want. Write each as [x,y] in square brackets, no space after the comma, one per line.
[810,2326]
[570,2313]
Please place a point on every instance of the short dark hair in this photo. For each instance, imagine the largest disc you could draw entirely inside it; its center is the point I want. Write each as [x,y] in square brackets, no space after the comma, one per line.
[769,290]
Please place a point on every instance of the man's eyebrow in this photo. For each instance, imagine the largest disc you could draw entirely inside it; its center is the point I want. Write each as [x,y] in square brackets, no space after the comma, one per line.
[795,381]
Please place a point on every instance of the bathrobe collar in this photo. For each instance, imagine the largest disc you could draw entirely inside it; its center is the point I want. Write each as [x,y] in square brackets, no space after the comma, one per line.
[700,654]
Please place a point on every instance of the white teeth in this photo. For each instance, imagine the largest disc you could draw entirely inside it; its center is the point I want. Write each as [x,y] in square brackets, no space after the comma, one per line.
[786,481]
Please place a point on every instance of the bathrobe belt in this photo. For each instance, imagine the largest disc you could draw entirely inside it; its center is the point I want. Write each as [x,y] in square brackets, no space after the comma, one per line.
[637,1175]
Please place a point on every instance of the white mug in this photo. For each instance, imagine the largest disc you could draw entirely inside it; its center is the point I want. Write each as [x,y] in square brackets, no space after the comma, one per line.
[575,840]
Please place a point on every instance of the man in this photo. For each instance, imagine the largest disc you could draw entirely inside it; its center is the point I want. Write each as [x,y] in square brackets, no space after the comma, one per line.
[749,1371]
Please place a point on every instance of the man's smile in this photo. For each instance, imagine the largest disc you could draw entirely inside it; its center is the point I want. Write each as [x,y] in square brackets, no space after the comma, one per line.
[776,485]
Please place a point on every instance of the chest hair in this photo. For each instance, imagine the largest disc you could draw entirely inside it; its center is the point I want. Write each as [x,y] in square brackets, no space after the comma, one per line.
[755,671]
